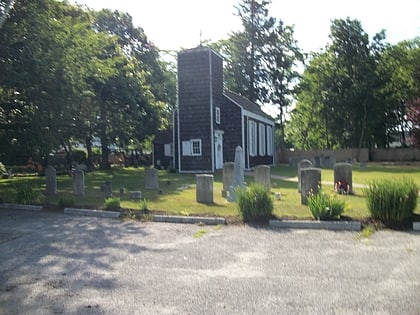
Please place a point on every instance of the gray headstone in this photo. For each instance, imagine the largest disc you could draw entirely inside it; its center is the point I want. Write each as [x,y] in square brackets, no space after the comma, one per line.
[227,177]
[238,174]
[151,178]
[108,189]
[302,164]
[344,171]
[310,183]
[262,176]
[51,180]
[79,182]
[204,188]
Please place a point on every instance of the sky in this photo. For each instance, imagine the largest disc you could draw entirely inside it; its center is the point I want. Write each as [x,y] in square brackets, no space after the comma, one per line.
[175,24]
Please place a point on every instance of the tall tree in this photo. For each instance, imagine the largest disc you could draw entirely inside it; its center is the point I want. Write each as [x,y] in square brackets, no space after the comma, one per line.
[345,82]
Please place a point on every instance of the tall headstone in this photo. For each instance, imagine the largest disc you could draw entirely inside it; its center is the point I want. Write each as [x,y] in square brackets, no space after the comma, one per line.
[204,188]
[310,182]
[238,174]
[79,182]
[108,189]
[344,171]
[302,164]
[262,176]
[151,178]
[51,180]
[227,177]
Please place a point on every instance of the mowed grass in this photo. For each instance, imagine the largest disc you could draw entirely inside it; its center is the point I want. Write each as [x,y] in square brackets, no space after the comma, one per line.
[178,194]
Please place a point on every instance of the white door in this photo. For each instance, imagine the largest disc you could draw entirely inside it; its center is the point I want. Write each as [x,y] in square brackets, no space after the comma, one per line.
[218,149]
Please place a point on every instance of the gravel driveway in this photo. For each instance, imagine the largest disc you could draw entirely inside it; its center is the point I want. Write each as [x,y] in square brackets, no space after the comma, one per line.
[58,264]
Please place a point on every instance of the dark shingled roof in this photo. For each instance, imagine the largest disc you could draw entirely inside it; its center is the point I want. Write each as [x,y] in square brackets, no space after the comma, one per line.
[246,104]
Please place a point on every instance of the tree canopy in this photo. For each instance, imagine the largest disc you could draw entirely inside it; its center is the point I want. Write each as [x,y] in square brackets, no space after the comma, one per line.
[68,73]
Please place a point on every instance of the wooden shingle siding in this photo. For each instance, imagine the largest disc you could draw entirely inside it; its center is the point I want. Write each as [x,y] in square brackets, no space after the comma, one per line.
[194,88]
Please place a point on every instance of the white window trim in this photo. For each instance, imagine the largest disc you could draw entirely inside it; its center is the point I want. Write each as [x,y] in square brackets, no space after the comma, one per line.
[217,115]
[252,138]
[261,132]
[270,142]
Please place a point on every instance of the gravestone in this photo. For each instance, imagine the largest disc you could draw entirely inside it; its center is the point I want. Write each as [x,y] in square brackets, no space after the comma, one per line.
[204,188]
[262,176]
[238,174]
[227,177]
[51,180]
[79,182]
[344,171]
[151,178]
[310,183]
[302,164]
[108,189]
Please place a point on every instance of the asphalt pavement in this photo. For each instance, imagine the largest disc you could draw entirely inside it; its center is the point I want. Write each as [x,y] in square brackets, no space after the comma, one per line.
[53,263]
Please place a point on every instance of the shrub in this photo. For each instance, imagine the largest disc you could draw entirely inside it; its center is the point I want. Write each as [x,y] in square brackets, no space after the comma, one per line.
[391,201]
[143,205]
[255,203]
[66,202]
[112,203]
[325,207]
[25,194]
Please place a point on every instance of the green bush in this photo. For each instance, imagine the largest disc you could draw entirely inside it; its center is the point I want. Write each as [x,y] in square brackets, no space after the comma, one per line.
[66,202]
[144,205]
[325,207]
[25,194]
[112,203]
[254,203]
[391,201]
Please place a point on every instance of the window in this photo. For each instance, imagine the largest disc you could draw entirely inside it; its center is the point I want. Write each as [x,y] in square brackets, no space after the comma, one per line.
[196,147]
[252,138]
[270,142]
[168,149]
[217,115]
[191,147]
[262,139]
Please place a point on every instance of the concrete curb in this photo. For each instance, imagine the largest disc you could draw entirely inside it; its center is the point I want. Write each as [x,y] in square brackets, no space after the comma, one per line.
[416,226]
[92,213]
[13,206]
[193,220]
[320,225]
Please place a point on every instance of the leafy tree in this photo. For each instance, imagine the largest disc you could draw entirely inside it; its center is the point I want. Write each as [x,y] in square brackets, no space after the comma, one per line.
[5,7]
[341,87]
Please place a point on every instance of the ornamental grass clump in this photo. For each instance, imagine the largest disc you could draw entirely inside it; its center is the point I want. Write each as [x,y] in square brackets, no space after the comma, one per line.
[325,207]
[391,201]
[254,203]
[112,203]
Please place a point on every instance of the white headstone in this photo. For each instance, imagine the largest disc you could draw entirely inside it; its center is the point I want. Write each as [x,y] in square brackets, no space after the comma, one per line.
[79,182]
[151,178]
[227,177]
[262,176]
[238,174]
[51,180]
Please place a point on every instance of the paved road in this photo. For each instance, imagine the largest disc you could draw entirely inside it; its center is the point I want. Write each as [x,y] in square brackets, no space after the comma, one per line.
[58,264]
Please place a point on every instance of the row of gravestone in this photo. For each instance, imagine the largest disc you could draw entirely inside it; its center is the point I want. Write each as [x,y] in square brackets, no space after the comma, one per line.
[309,178]
[204,182]
[78,183]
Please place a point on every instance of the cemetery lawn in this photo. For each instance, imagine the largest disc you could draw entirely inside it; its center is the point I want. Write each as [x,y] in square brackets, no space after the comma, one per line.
[178,195]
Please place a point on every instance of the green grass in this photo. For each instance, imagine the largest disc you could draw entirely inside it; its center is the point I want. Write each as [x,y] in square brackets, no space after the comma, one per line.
[173,200]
